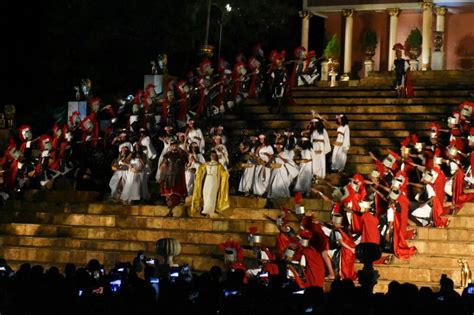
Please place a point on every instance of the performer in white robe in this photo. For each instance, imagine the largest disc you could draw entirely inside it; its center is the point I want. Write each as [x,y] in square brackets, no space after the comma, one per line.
[307,168]
[120,167]
[166,145]
[149,154]
[283,171]
[133,188]
[248,164]
[221,149]
[321,146]
[342,144]
[195,160]
[194,134]
[262,171]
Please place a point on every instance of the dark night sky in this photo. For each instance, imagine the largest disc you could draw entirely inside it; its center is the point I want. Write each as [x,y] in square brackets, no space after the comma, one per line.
[112,42]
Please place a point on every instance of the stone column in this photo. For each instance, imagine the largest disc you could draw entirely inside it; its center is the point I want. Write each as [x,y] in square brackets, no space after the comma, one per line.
[392,39]
[348,14]
[426,45]
[438,54]
[305,16]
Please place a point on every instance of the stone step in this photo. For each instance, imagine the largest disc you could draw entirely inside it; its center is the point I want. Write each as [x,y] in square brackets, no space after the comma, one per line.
[360,125]
[434,247]
[468,209]
[449,234]
[103,211]
[212,233]
[89,204]
[354,117]
[107,245]
[360,101]
[61,197]
[249,217]
[428,260]
[461,220]
[313,93]
[352,109]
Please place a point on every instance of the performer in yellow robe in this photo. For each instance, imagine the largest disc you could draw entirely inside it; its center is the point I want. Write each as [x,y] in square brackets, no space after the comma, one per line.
[211,188]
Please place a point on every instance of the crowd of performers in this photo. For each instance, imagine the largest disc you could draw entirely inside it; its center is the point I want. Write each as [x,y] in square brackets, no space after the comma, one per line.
[424,182]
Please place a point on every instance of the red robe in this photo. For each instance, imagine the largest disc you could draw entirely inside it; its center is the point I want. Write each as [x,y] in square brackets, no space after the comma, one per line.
[282,242]
[438,186]
[315,270]
[319,240]
[459,197]
[400,246]
[12,171]
[437,212]
[347,262]
[370,230]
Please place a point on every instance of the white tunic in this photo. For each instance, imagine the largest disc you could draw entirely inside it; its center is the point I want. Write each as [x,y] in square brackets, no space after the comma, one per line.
[133,188]
[262,172]
[166,146]
[195,135]
[339,153]
[222,154]
[321,147]
[281,177]
[150,150]
[305,175]
[117,181]
[246,181]
[190,174]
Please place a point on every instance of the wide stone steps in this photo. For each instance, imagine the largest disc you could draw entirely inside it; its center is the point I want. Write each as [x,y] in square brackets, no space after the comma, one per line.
[307,117]
[347,92]
[59,232]
[361,125]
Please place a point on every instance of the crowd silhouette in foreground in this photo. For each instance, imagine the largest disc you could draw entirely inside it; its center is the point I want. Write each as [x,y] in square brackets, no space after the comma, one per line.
[140,288]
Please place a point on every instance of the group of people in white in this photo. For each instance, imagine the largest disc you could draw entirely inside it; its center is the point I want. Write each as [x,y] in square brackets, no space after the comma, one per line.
[272,170]
[290,164]
[139,162]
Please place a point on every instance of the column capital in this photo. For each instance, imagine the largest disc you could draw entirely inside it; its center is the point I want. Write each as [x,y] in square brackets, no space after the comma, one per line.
[427,5]
[393,11]
[441,11]
[347,12]
[305,14]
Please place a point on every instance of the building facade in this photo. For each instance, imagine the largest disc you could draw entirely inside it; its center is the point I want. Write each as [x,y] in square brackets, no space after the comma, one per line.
[447,28]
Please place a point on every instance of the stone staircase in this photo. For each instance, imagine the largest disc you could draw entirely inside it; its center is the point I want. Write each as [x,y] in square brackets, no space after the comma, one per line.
[378,119]
[55,228]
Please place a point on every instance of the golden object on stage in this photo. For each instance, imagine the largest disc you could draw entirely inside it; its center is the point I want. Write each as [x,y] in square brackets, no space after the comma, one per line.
[466,274]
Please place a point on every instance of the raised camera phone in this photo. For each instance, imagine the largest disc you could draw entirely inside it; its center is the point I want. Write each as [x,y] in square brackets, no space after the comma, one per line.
[154,280]
[115,285]
[229,293]
[150,261]
[470,289]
